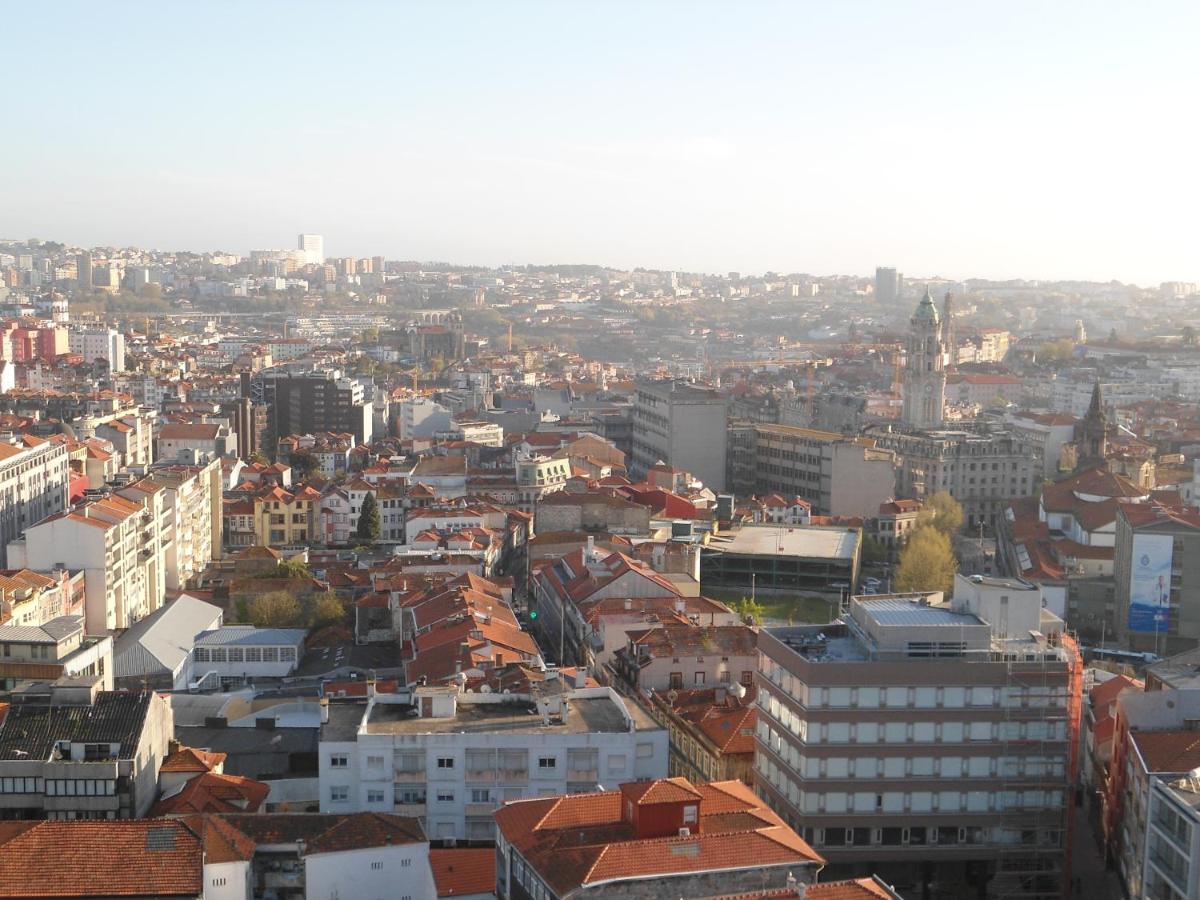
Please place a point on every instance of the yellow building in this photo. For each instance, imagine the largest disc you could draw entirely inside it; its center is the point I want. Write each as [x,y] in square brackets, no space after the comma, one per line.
[282,517]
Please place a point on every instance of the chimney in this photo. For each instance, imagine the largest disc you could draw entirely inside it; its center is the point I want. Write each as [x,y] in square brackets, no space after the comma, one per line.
[680,605]
[628,604]
[580,677]
[324,710]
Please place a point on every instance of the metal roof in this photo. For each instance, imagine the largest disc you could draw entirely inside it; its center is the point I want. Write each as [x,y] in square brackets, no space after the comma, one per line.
[902,611]
[160,643]
[248,635]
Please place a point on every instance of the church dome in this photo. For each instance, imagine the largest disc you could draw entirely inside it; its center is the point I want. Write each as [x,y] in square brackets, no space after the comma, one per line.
[926,309]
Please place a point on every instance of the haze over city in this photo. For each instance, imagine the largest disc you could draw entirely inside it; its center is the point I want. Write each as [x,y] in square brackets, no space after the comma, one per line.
[1000,141]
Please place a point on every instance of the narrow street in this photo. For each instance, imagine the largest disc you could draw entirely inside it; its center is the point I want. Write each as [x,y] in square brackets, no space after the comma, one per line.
[1087,863]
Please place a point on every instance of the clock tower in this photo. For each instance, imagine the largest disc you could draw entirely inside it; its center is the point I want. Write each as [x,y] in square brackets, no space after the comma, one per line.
[925,371]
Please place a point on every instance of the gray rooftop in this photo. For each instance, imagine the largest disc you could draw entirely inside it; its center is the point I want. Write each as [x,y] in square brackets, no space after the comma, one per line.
[775,540]
[161,642]
[248,635]
[50,633]
[589,714]
[902,611]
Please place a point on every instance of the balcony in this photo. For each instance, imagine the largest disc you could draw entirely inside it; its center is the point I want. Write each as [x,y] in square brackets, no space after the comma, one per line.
[481,774]
[589,775]
[414,810]
[480,809]
[405,776]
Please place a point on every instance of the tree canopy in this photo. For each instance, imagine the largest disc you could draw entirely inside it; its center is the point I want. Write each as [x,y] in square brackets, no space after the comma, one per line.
[942,512]
[277,609]
[368,519]
[927,562]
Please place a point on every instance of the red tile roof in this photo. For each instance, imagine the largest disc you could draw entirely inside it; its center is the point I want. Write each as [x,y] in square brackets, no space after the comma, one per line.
[121,858]
[212,792]
[1168,751]
[188,759]
[584,839]
[463,870]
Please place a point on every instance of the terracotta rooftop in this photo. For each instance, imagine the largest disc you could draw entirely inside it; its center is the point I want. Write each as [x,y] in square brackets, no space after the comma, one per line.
[463,870]
[586,839]
[1168,751]
[121,858]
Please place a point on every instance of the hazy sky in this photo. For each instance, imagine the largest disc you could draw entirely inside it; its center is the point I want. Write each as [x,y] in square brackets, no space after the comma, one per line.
[998,139]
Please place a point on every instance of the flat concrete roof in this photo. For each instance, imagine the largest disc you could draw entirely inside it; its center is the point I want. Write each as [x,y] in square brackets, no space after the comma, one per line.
[590,714]
[777,540]
[904,611]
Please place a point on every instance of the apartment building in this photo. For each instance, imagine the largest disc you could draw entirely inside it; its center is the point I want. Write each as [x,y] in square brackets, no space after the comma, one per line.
[838,475]
[452,758]
[118,543]
[537,477]
[711,731]
[1156,570]
[920,738]
[99,343]
[316,401]
[682,424]
[130,431]
[285,517]
[192,500]
[1172,860]
[679,655]
[71,751]
[35,477]
[982,471]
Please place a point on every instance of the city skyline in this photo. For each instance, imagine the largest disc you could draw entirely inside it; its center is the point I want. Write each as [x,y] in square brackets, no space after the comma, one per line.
[1005,144]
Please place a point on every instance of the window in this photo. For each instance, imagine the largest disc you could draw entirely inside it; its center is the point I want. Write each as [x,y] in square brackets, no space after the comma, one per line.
[377,865]
[747,677]
[339,793]
[445,796]
[547,762]
[445,762]
[689,814]
[644,751]
[374,796]
[339,761]
[699,678]
[374,762]
[481,795]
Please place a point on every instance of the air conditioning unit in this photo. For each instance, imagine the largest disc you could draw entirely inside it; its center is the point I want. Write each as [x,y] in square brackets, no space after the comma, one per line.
[685,832]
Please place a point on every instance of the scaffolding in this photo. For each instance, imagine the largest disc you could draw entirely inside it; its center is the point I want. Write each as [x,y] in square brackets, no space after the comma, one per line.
[1034,858]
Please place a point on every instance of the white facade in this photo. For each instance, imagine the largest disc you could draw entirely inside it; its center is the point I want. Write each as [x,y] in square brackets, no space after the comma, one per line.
[236,654]
[34,483]
[1172,860]
[395,872]
[100,343]
[421,417]
[119,546]
[467,753]
[313,247]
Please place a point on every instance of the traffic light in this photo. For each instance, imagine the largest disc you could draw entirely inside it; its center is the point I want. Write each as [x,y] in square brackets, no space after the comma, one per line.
[533,614]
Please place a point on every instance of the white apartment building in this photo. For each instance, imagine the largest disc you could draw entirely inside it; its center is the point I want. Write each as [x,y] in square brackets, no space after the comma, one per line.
[192,526]
[914,733]
[100,343]
[1172,860]
[486,434]
[682,424]
[35,477]
[130,431]
[538,476]
[313,248]
[451,758]
[420,417]
[119,545]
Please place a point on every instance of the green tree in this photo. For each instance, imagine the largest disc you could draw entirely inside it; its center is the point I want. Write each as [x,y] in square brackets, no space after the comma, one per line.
[327,610]
[927,562]
[942,512]
[304,465]
[368,520]
[287,568]
[749,609]
[873,549]
[1056,351]
[277,609]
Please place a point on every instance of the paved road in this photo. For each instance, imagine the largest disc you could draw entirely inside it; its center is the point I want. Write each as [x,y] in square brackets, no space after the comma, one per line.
[1087,863]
